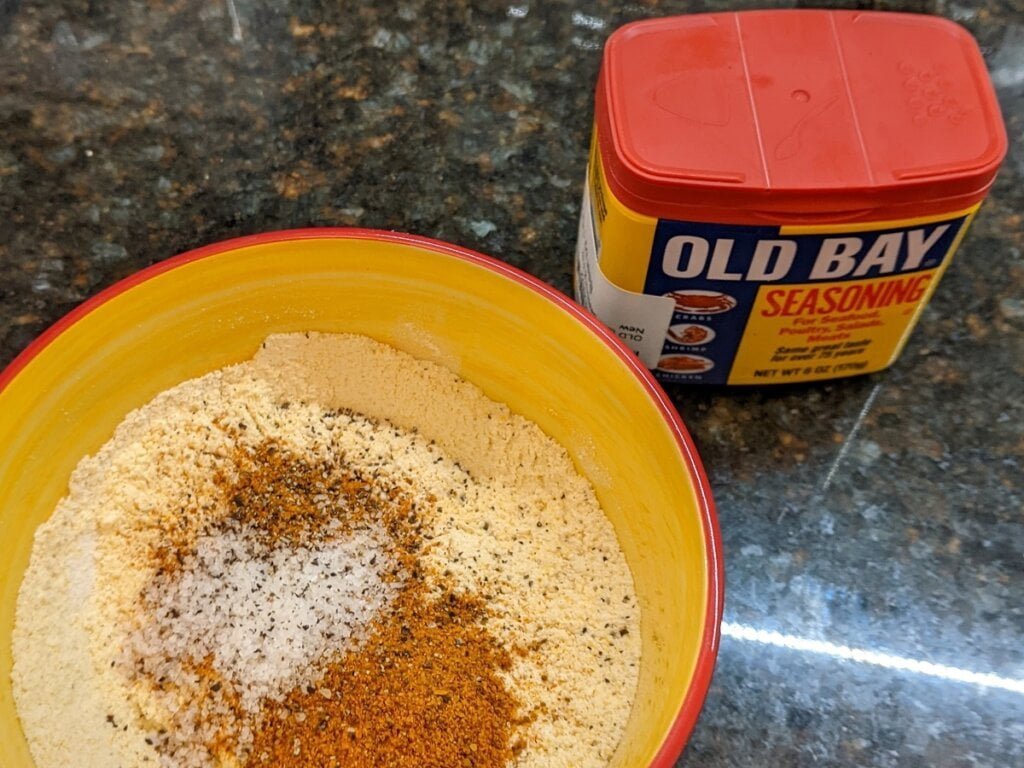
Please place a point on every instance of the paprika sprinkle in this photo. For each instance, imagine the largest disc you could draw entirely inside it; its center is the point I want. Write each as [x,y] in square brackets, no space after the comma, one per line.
[422,692]
[418,686]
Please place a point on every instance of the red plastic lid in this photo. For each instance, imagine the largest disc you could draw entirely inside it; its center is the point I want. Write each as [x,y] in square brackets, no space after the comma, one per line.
[797,111]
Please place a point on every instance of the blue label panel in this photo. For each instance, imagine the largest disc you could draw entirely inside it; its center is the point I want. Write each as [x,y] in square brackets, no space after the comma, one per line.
[714,271]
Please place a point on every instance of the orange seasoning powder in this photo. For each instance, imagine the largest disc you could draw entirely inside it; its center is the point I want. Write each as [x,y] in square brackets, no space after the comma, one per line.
[422,690]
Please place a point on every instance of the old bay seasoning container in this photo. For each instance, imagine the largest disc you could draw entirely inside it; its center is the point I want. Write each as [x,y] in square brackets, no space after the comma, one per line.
[773,196]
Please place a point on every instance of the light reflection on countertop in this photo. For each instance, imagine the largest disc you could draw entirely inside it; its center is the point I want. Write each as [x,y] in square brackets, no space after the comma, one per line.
[871,657]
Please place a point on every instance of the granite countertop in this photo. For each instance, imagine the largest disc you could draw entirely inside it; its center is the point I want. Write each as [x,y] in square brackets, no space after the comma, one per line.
[878,515]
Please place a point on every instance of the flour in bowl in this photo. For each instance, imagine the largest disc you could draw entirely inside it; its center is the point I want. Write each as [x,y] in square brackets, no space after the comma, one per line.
[331,554]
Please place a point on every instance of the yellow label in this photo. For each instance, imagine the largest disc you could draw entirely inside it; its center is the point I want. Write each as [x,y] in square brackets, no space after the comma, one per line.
[825,330]
[747,304]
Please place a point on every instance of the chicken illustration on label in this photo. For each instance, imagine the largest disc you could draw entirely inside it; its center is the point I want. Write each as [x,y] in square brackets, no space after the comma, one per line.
[684,364]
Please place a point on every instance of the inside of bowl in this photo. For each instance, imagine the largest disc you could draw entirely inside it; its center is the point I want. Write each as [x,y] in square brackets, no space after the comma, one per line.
[516,345]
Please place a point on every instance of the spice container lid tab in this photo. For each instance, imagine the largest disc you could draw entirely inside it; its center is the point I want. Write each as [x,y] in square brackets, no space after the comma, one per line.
[805,111]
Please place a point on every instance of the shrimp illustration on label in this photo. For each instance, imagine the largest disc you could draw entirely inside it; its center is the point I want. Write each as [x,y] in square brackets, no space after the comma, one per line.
[690,334]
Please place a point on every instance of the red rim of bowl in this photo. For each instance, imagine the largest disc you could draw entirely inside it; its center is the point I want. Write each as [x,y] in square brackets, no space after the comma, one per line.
[685,720]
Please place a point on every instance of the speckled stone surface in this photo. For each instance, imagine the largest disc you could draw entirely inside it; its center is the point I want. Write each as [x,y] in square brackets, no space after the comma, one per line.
[881,514]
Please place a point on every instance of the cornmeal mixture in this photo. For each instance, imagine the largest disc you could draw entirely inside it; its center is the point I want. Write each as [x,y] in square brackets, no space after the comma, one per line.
[330,555]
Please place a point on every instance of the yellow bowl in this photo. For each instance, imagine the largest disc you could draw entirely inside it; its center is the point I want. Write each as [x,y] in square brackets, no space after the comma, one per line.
[517,339]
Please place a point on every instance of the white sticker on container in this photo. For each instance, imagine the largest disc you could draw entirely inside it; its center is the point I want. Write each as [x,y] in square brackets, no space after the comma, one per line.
[640,320]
